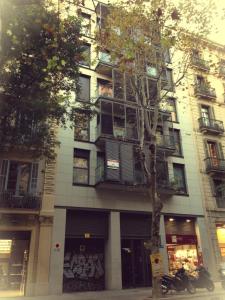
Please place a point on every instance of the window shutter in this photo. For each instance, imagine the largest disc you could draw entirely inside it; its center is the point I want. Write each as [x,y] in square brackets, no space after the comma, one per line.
[4,165]
[112,161]
[33,178]
[220,150]
[127,163]
[206,148]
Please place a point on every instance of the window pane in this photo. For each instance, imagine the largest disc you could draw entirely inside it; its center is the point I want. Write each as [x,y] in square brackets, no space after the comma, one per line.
[80,162]
[84,93]
[131,123]
[86,55]
[172,109]
[118,120]
[23,180]
[106,118]
[80,176]
[130,95]
[81,130]
[179,177]
[86,24]
[176,135]
[118,85]
[105,88]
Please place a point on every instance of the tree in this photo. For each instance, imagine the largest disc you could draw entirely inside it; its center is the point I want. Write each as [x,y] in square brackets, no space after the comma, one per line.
[39,68]
[136,34]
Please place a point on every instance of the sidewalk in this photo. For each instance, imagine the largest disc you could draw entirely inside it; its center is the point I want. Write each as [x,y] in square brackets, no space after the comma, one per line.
[129,294]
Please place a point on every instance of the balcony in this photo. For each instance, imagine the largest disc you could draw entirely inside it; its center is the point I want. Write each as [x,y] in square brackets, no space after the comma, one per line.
[9,199]
[200,63]
[205,92]
[215,165]
[211,126]
[105,64]
[166,143]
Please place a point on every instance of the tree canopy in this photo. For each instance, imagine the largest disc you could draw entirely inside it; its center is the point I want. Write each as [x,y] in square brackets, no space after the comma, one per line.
[39,67]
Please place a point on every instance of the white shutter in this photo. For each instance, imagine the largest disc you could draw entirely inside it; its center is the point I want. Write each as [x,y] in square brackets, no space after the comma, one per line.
[4,165]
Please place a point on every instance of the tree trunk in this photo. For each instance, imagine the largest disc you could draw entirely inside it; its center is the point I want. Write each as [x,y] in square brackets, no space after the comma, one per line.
[157,206]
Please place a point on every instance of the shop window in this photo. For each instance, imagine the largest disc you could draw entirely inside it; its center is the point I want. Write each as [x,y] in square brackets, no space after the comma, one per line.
[179,178]
[81,166]
[104,88]
[177,141]
[84,86]
[85,55]
[81,127]
[86,24]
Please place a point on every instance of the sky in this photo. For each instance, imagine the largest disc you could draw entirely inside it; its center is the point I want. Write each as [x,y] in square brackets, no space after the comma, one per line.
[219,37]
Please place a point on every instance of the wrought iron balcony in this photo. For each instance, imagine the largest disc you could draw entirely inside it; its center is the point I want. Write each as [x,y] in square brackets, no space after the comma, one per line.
[211,125]
[105,64]
[9,199]
[215,165]
[166,143]
[200,63]
[205,91]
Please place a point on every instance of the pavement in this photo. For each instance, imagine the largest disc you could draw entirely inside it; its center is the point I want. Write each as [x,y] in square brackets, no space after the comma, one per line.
[129,294]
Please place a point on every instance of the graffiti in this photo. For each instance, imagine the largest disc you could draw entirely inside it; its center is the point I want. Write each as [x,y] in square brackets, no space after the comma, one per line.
[83,271]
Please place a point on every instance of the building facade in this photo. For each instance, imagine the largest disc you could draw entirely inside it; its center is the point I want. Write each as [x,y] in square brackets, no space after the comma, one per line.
[102,215]
[206,95]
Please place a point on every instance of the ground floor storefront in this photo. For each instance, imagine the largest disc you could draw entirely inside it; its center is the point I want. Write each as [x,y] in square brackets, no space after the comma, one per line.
[99,250]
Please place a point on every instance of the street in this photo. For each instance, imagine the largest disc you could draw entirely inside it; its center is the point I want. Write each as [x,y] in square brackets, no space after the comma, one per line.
[129,294]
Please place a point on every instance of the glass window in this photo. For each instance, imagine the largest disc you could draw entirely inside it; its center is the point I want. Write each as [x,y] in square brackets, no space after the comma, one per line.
[81,166]
[179,178]
[85,55]
[167,79]
[105,88]
[81,129]
[118,120]
[131,123]
[106,118]
[130,91]
[171,103]
[18,177]
[86,24]
[118,85]
[177,141]
[84,85]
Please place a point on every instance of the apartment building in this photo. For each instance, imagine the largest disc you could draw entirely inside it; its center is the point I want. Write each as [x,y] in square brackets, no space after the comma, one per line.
[206,95]
[102,215]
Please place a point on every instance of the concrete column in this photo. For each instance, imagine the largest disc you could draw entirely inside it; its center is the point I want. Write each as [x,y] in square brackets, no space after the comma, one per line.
[113,278]
[205,246]
[57,254]
[43,257]
[163,250]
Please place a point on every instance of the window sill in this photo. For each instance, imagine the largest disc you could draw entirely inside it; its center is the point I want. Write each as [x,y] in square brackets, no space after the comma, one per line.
[179,156]
[81,184]
[181,194]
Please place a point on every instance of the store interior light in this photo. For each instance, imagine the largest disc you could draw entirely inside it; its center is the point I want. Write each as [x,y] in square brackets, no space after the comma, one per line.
[5,246]
[171,219]
[188,220]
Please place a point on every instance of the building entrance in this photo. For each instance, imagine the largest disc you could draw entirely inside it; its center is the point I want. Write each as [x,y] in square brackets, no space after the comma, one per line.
[135,263]
[14,250]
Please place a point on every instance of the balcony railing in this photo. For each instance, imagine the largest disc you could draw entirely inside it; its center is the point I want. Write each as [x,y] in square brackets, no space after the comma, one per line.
[215,165]
[9,199]
[166,143]
[205,91]
[200,63]
[211,125]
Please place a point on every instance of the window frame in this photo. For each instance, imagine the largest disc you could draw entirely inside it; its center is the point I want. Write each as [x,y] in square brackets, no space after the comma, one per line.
[84,155]
[82,62]
[184,179]
[173,100]
[88,125]
[78,98]
[180,154]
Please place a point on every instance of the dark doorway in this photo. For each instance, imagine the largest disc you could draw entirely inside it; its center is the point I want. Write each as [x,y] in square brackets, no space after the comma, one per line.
[135,264]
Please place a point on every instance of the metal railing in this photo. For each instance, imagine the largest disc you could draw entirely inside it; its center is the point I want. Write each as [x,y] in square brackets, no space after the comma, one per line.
[214,164]
[9,199]
[205,91]
[199,62]
[211,124]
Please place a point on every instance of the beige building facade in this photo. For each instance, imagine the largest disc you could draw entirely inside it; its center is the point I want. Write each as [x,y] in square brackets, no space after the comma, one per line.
[206,96]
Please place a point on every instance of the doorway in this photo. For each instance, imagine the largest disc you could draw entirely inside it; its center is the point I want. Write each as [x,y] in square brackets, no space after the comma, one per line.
[14,253]
[136,271]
